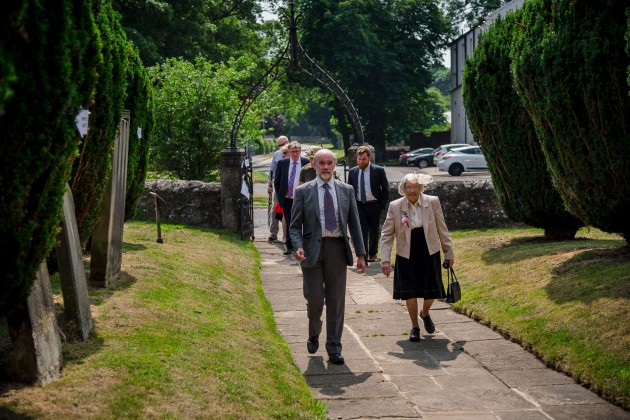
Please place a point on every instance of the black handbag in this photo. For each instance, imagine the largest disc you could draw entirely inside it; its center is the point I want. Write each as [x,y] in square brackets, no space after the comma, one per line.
[453,291]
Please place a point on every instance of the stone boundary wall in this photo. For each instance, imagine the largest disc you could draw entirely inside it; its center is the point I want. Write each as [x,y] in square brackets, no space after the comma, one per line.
[192,203]
[467,204]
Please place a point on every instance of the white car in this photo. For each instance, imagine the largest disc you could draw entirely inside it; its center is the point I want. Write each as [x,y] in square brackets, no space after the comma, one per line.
[463,159]
[439,153]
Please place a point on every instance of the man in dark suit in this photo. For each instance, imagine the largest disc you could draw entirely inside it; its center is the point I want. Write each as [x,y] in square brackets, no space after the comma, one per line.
[372,195]
[286,180]
[323,210]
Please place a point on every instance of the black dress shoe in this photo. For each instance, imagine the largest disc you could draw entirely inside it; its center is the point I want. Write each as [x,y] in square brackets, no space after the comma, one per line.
[428,324]
[414,334]
[288,251]
[312,344]
[336,358]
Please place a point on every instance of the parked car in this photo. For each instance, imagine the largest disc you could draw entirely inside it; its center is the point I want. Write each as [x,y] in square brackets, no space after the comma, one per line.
[463,159]
[421,160]
[440,151]
[404,158]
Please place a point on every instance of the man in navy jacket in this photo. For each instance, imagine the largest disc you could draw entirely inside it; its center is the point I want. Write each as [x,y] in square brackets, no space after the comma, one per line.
[372,194]
[286,180]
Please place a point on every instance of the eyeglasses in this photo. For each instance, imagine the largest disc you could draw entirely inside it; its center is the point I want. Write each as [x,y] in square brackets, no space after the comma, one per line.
[412,188]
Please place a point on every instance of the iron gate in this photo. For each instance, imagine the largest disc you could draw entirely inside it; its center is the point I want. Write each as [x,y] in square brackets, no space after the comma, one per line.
[247,198]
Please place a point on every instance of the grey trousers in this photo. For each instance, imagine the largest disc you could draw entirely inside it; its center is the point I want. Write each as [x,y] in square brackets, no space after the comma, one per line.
[273,222]
[325,284]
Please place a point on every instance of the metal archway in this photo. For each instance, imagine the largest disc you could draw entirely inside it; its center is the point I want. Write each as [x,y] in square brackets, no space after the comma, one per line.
[294,59]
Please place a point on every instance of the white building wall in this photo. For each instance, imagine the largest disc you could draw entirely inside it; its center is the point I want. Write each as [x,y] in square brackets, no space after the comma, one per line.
[461,48]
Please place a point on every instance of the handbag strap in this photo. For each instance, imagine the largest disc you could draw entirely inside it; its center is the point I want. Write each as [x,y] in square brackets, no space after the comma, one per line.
[452,278]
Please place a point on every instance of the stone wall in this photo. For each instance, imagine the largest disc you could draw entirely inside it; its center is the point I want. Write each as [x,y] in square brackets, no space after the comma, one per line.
[192,203]
[467,204]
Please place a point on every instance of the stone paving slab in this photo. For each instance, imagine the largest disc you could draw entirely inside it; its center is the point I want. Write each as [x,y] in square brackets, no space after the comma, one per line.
[397,408]
[464,371]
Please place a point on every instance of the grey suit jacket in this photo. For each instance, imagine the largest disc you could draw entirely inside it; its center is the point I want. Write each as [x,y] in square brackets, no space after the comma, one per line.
[306,229]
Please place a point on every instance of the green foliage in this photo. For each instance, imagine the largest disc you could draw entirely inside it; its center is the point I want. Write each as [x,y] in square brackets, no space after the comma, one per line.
[504,129]
[570,69]
[140,104]
[46,45]
[92,169]
[470,12]
[215,30]
[381,52]
[195,104]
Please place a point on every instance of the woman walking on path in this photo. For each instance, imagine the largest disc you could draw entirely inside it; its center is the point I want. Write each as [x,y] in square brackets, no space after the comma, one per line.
[417,223]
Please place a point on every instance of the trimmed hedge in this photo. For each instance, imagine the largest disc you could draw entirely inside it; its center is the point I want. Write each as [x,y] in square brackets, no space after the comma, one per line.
[140,104]
[569,66]
[507,135]
[92,169]
[47,43]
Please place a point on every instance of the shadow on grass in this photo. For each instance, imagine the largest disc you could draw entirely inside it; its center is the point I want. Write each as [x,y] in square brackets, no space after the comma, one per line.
[7,413]
[123,281]
[129,247]
[591,275]
[520,249]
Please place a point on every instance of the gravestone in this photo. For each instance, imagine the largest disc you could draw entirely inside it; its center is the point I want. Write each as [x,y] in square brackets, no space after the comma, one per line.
[36,354]
[76,303]
[106,254]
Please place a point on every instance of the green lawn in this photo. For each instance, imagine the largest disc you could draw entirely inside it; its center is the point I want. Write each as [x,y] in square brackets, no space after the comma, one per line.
[568,302]
[186,332]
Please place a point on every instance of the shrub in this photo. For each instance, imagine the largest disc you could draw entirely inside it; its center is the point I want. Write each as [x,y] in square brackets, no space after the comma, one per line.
[47,44]
[92,169]
[140,104]
[507,135]
[569,67]
[195,104]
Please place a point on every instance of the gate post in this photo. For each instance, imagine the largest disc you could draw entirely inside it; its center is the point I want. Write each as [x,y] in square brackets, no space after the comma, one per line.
[230,161]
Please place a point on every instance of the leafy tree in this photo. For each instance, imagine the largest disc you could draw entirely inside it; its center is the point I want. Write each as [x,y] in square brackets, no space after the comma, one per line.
[213,29]
[569,65]
[470,12]
[91,170]
[504,129]
[382,52]
[195,104]
[48,60]
[442,80]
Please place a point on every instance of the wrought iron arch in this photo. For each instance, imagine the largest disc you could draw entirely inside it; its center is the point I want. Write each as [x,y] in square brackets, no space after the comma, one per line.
[295,59]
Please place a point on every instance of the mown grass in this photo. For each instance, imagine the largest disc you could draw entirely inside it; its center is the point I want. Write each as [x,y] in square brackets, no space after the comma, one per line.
[185,332]
[568,302]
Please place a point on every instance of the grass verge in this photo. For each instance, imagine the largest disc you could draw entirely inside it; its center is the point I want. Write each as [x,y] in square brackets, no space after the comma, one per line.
[568,302]
[185,332]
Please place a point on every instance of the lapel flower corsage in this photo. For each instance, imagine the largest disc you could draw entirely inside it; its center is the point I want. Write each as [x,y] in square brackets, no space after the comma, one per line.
[405,219]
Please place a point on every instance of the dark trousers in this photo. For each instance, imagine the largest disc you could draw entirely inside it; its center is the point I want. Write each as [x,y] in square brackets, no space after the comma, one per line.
[325,284]
[288,206]
[370,218]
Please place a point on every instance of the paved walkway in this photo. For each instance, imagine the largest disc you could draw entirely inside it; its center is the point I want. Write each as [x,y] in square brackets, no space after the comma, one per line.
[462,371]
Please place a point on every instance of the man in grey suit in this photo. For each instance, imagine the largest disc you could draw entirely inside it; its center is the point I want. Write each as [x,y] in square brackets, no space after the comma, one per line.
[323,210]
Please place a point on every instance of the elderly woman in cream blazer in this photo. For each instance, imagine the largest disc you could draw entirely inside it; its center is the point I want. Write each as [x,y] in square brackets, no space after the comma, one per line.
[416,223]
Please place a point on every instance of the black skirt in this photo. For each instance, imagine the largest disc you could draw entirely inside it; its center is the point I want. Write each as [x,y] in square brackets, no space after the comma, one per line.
[420,276]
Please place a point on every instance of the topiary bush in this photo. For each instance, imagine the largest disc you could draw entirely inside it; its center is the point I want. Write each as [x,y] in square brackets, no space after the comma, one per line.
[506,133]
[92,169]
[45,45]
[569,67]
[140,104]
